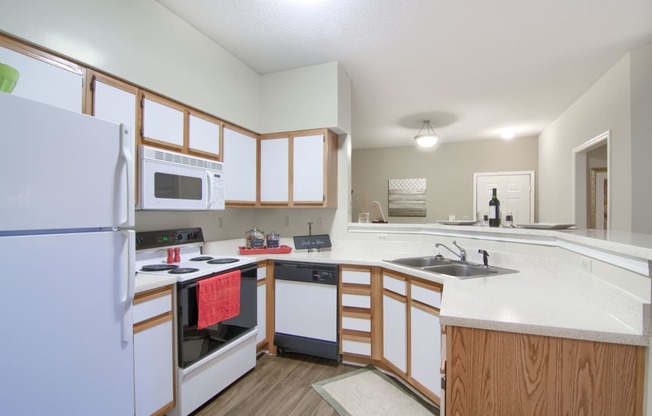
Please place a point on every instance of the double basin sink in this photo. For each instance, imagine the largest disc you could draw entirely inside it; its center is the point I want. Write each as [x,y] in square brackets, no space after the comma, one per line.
[454,268]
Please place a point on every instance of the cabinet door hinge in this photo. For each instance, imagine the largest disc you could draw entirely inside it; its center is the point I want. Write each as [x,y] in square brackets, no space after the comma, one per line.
[443,383]
[93,83]
[142,102]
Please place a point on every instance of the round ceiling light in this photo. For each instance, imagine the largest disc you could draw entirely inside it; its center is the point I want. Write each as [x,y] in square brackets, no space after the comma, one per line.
[427,138]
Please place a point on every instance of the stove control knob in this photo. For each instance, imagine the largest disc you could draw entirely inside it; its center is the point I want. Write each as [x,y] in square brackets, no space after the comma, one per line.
[179,237]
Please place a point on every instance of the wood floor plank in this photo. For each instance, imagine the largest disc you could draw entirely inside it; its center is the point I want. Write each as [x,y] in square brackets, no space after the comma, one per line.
[279,385]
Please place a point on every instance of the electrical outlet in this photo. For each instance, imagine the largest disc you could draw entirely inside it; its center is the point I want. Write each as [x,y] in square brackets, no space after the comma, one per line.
[382,237]
[220,223]
[320,222]
[586,264]
[287,221]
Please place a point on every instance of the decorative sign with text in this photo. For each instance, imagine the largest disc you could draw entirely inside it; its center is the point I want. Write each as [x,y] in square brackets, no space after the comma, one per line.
[305,242]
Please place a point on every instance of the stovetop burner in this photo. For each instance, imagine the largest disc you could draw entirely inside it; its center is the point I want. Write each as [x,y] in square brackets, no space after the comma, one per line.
[183,270]
[201,258]
[224,260]
[158,267]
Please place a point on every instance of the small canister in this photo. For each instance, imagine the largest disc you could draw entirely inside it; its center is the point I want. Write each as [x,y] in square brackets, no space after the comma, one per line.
[273,240]
[254,238]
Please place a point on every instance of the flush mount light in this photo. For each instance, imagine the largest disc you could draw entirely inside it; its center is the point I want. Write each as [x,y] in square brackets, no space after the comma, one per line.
[427,137]
[507,134]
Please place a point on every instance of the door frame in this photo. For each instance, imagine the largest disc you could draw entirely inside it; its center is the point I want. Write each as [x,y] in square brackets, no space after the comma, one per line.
[508,173]
[580,184]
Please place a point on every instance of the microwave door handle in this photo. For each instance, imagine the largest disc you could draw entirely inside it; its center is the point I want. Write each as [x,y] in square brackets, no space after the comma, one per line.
[209,193]
[127,155]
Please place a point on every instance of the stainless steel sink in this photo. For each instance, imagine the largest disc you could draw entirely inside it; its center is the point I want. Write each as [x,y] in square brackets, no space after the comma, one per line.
[420,262]
[454,268]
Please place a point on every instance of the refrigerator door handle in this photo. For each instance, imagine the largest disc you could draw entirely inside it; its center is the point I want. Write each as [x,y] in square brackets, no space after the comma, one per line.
[127,155]
[128,282]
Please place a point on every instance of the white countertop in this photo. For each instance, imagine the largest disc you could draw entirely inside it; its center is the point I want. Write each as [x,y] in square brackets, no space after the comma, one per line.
[533,301]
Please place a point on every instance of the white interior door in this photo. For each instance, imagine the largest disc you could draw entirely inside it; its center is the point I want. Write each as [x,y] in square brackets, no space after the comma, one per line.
[515,192]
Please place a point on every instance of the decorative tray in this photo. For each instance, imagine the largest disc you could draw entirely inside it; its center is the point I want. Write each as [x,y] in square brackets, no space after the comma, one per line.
[457,222]
[254,251]
[545,226]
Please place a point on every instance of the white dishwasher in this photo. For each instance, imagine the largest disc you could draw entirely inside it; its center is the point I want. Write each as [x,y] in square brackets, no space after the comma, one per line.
[306,308]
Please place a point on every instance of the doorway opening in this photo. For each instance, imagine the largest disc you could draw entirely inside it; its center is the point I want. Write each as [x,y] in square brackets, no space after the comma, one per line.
[592,183]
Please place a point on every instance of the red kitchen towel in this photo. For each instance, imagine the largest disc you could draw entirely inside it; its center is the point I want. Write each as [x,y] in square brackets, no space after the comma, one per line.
[218,298]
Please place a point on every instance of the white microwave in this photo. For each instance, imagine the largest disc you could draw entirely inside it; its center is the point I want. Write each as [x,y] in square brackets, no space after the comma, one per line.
[176,182]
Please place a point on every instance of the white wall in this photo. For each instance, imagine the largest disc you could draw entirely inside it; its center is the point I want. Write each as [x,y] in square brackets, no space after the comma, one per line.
[641,105]
[620,101]
[605,106]
[285,94]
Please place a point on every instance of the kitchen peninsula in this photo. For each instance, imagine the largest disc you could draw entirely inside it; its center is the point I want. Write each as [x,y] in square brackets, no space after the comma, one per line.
[575,292]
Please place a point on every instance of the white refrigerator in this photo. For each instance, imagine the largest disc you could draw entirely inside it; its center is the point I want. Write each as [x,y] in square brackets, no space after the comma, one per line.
[66,262]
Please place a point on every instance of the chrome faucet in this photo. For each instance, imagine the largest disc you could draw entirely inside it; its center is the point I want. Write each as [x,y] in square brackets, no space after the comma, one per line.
[462,254]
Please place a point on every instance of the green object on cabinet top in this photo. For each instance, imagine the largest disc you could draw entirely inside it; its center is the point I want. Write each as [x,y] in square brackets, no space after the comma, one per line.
[8,78]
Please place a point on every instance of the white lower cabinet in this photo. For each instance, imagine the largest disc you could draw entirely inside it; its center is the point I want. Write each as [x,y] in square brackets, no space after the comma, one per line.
[395,332]
[153,352]
[425,348]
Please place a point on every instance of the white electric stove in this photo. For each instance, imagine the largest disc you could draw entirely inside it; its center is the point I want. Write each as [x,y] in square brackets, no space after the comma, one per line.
[209,359]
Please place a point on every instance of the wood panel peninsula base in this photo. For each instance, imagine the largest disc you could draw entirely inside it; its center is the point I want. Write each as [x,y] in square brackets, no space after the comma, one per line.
[502,373]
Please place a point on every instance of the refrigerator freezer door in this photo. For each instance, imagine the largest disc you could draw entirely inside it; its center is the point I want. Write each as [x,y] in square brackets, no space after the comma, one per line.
[61,321]
[63,170]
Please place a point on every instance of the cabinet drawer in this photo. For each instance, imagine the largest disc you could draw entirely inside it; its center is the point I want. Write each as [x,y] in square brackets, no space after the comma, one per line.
[429,296]
[356,301]
[152,307]
[358,277]
[356,347]
[358,324]
[394,284]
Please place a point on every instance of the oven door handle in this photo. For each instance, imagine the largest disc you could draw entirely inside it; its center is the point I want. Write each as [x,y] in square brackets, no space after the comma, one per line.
[128,282]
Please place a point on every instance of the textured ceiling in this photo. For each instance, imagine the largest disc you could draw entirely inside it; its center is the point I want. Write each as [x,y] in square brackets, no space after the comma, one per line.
[472,67]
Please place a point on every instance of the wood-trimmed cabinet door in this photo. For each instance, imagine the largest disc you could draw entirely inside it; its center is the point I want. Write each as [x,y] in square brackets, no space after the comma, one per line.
[204,135]
[425,338]
[114,100]
[314,169]
[43,77]
[154,366]
[240,167]
[162,122]
[275,171]
[395,323]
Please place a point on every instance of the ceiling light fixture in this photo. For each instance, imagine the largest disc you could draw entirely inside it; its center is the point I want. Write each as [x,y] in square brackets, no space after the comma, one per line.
[428,138]
[507,134]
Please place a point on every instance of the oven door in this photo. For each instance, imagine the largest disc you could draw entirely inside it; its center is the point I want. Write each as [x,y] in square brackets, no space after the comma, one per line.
[195,344]
[165,186]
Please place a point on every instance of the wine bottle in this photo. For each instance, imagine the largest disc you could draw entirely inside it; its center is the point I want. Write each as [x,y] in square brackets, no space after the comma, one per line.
[494,210]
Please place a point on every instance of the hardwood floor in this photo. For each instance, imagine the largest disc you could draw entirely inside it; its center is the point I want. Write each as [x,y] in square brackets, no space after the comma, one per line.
[280,385]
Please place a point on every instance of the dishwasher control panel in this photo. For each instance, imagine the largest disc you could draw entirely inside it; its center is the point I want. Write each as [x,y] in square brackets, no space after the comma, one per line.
[327,274]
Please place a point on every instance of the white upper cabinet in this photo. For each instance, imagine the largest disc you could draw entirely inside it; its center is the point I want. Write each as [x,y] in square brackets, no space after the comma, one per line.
[240,167]
[308,163]
[47,80]
[203,135]
[275,170]
[162,122]
[114,103]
